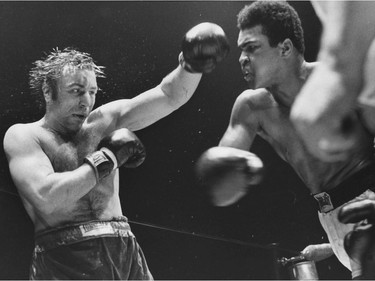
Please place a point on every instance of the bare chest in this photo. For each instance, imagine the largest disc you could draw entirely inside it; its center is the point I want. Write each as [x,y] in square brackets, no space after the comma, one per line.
[277,129]
[67,155]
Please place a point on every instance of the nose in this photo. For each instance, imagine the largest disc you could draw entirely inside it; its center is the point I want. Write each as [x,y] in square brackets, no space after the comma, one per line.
[244,59]
[85,99]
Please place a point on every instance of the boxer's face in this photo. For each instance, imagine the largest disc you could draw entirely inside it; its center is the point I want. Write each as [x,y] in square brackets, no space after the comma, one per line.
[76,92]
[260,63]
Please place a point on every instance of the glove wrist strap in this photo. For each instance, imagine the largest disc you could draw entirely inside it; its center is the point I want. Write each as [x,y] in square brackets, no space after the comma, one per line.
[111,156]
[101,163]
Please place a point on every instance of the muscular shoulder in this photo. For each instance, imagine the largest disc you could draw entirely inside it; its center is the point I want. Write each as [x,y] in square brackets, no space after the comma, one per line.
[250,106]
[19,132]
[20,136]
[259,99]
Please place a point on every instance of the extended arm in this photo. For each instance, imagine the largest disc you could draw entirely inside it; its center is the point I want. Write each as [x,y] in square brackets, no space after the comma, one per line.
[202,48]
[229,169]
[317,252]
[349,29]
[324,111]
[148,107]
[243,125]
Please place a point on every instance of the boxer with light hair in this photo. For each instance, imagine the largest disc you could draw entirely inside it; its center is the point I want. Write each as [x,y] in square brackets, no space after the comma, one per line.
[65,165]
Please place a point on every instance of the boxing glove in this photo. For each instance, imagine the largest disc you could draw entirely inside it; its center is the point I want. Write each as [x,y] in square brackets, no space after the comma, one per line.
[227,173]
[203,47]
[359,243]
[121,147]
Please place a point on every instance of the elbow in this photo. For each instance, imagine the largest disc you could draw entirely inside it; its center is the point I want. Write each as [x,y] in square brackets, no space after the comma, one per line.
[176,95]
[46,203]
[46,206]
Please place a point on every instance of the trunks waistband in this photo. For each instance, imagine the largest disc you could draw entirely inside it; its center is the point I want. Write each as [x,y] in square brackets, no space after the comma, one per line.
[66,235]
[350,188]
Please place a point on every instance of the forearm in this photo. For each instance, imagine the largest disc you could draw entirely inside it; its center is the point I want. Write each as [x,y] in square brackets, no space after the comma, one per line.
[238,136]
[349,29]
[66,188]
[326,248]
[317,252]
[180,85]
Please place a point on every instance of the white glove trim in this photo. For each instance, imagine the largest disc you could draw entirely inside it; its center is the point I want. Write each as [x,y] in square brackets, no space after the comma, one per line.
[110,155]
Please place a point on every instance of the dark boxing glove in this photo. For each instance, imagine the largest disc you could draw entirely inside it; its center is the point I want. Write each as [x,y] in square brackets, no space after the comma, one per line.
[360,243]
[203,47]
[227,173]
[121,147]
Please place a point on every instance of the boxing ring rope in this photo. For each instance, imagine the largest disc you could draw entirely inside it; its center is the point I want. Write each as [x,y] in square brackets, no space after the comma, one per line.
[298,268]
[301,268]
[216,238]
[271,246]
[9,192]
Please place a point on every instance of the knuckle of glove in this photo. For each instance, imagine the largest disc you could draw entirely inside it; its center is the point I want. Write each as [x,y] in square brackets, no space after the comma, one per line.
[357,241]
[216,163]
[138,156]
[203,47]
[357,211]
[254,169]
[126,147]
[210,169]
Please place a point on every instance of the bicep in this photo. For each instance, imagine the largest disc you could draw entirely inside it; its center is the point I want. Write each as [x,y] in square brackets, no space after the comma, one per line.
[140,111]
[242,127]
[237,136]
[321,9]
[29,166]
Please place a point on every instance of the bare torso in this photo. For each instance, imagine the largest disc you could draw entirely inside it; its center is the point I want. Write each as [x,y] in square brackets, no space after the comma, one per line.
[275,127]
[101,202]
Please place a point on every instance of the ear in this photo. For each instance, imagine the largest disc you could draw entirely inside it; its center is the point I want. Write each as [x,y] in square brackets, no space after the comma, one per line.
[47,92]
[286,47]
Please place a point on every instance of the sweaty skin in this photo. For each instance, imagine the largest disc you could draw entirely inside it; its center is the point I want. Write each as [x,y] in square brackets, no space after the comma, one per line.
[46,157]
[277,74]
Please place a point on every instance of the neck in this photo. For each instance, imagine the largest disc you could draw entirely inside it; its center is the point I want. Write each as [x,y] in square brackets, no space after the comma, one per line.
[53,125]
[291,83]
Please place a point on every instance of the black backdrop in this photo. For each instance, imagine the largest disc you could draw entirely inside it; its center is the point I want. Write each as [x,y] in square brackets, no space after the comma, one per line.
[183,237]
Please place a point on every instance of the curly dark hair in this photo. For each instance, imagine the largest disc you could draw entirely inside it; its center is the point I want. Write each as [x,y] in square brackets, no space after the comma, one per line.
[50,68]
[278,19]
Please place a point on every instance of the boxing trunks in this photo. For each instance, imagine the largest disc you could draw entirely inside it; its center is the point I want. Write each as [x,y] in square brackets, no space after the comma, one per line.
[359,186]
[105,250]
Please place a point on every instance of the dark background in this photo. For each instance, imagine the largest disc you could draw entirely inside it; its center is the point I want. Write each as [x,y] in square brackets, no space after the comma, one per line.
[183,236]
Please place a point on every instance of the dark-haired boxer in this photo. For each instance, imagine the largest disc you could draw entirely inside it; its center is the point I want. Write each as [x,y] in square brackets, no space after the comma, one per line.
[273,64]
[65,164]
